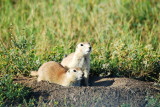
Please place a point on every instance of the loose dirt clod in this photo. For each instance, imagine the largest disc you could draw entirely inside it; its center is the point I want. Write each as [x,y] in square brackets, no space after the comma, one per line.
[107,92]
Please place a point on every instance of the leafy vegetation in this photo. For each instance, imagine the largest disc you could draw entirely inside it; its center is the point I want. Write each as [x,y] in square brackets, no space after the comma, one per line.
[11,93]
[124,35]
[153,101]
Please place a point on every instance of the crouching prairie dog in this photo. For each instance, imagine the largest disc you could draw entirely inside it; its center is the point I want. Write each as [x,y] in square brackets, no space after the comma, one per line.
[56,73]
[80,58]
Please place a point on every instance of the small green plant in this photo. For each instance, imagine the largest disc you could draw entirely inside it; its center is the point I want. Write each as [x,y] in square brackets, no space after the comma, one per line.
[28,103]
[153,101]
[10,92]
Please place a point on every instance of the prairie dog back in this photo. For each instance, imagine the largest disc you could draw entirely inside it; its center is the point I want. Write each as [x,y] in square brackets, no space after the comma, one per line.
[56,73]
[51,71]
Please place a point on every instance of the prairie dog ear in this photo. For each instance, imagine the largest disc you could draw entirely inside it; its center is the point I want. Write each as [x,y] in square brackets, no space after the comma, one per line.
[65,67]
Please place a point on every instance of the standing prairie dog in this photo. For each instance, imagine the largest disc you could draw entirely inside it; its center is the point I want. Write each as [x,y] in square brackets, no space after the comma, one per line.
[56,73]
[80,58]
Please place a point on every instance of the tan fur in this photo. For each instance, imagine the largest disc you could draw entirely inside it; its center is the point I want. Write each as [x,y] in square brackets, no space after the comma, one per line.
[80,58]
[34,73]
[56,73]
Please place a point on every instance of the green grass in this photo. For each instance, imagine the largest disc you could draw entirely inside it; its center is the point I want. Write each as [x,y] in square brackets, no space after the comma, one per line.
[124,34]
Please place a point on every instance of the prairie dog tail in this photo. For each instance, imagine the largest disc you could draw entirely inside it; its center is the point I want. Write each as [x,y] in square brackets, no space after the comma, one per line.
[34,73]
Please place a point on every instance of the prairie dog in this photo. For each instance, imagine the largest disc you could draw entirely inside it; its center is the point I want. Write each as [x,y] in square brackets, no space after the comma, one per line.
[80,58]
[56,73]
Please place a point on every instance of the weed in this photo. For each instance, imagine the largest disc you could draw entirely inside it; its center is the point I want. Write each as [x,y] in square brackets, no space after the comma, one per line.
[11,93]
[153,101]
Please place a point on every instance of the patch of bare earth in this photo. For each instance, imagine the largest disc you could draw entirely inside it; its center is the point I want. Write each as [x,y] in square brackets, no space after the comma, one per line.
[103,92]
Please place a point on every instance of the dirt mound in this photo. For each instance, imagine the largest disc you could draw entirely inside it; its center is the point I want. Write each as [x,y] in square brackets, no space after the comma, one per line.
[107,92]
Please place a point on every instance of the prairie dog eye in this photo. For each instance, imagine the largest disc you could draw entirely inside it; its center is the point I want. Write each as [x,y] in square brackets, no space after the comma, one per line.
[74,71]
[81,44]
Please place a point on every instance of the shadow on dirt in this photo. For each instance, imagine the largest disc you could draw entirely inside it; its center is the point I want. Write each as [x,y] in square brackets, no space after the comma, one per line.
[99,81]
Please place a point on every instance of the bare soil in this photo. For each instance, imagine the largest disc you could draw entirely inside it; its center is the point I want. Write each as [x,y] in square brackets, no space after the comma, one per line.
[102,92]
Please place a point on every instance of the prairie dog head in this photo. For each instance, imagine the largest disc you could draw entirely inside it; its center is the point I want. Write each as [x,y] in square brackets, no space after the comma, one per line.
[84,47]
[75,74]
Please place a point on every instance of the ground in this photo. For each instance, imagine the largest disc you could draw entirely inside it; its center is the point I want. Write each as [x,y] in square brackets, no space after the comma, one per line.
[102,92]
